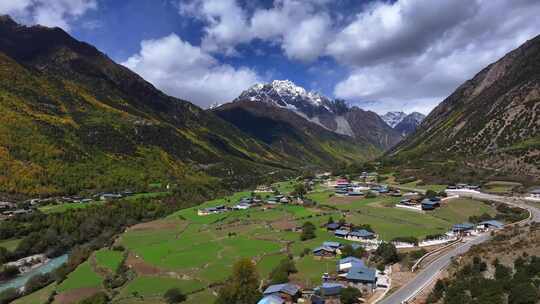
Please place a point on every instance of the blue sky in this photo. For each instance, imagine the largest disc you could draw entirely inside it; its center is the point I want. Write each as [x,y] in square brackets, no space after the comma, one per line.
[380,55]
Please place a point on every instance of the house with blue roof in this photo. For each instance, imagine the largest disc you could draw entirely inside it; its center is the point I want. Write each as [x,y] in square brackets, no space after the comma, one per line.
[463,228]
[491,224]
[329,289]
[271,299]
[333,226]
[428,204]
[347,263]
[360,276]
[361,234]
[323,251]
[335,245]
[287,291]
[341,233]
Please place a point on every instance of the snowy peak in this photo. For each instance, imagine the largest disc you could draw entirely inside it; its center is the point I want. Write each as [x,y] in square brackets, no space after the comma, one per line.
[286,94]
[393,118]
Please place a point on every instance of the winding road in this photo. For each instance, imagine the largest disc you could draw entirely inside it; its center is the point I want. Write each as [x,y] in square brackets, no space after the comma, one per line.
[429,273]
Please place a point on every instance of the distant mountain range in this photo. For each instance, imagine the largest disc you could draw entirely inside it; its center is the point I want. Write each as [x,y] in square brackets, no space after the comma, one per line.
[491,121]
[402,122]
[362,127]
[72,119]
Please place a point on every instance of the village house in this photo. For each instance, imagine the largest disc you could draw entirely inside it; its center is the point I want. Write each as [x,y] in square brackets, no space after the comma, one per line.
[288,292]
[328,289]
[333,226]
[463,229]
[110,196]
[354,273]
[430,204]
[328,249]
[489,225]
[211,210]
[360,235]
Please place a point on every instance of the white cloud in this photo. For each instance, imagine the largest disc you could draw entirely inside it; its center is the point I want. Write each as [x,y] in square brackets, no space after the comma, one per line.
[188,72]
[409,55]
[296,25]
[47,12]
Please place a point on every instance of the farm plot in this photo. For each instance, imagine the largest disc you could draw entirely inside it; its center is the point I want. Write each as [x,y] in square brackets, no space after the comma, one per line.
[82,277]
[108,259]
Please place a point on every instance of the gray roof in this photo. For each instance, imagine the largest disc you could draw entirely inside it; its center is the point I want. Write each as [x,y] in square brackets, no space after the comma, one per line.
[362,274]
[330,289]
[331,244]
[427,201]
[463,226]
[361,233]
[535,191]
[493,223]
[353,260]
[271,299]
[341,232]
[324,248]
[287,288]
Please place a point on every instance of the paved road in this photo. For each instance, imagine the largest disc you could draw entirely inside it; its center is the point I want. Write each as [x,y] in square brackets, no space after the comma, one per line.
[428,274]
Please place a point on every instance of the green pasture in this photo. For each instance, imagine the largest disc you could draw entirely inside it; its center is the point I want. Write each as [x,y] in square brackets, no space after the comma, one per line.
[150,286]
[82,277]
[39,297]
[459,210]
[109,259]
[10,244]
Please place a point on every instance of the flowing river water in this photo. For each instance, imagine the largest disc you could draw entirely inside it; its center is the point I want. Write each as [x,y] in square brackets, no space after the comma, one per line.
[20,280]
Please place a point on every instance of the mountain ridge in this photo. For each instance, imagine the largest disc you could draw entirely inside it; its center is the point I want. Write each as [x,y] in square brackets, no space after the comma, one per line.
[334,115]
[490,121]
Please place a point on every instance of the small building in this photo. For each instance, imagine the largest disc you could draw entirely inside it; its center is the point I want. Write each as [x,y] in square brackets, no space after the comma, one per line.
[361,277]
[287,291]
[212,210]
[491,224]
[361,234]
[332,226]
[428,204]
[334,245]
[7,205]
[271,299]
[355,193]
[324,251]
[272,200]
[341,233]
[242,206]
[284,200]
[329,289]
[347,263]
[110,196]
[464,228]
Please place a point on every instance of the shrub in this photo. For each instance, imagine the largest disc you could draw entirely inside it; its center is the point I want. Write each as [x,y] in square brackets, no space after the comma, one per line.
[174,295]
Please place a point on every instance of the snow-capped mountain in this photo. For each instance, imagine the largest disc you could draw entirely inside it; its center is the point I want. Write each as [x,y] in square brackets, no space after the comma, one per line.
[402,122]
[285,94]
[409,123]
[393,118]
[333,115]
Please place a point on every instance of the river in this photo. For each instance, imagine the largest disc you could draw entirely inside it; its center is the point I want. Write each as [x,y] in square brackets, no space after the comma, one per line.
[20,280]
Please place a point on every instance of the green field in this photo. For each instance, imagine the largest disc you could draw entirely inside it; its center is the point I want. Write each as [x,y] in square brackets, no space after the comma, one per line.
[500,187]
[109,259]
[150,286]
[59,208]
[82,277]
[10,244]
[192,252]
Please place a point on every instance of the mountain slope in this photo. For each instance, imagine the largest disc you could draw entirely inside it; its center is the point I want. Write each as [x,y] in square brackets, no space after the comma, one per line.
[293,135]
[491,121]
[72,119]
[365,127]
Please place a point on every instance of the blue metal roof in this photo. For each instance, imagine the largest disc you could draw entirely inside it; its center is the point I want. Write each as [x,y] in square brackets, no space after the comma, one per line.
[493,223]
[362,233]
[287,288]
[271,299]
[324,248]
[331,244]
[351,260]
[463,226]
[341,232]
[330,289]
[333,226]
[429,202]
[362,274]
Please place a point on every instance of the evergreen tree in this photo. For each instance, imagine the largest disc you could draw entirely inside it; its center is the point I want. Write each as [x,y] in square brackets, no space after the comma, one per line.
[242,286]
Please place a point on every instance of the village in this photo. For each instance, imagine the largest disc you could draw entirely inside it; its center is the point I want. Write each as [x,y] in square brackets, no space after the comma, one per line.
[349,239]
[372,281]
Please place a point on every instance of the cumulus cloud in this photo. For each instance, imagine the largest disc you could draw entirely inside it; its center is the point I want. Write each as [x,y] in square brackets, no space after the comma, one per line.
[297,26]
[47,12]
[188,72]
[410,55]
